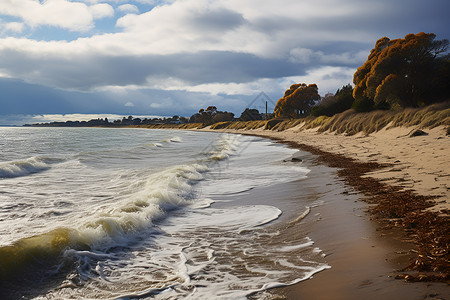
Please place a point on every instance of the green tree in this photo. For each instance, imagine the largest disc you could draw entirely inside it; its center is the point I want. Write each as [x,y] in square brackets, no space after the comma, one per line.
[297,100]
[400,72]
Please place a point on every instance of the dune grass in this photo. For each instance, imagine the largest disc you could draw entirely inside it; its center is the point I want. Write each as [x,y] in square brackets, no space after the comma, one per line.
[351,122]
[348,122]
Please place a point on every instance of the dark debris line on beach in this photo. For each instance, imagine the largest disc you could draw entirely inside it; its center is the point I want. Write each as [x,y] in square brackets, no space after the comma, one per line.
[397,208]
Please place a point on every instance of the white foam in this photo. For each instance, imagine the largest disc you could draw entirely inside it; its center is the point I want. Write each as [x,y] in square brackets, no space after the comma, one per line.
[174,139]
[158,194]
[233,218]
[26,166]
[147,217]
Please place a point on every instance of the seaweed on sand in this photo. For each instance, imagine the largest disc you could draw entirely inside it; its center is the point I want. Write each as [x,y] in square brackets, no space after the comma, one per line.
[394,207]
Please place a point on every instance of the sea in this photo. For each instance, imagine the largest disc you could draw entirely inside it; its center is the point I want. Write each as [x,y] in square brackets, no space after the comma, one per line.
[133,213]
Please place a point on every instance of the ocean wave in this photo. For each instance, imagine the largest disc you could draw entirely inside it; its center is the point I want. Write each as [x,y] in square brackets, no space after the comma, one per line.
[174,139]
[36,251]
[222,148]
[26,166]
[147,201]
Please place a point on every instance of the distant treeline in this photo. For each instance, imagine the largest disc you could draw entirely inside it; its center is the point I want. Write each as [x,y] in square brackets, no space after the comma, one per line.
[126,121]
[207,116]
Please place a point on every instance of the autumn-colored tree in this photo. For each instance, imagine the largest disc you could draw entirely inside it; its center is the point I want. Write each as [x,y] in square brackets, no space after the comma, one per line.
[297,100]
[400,72]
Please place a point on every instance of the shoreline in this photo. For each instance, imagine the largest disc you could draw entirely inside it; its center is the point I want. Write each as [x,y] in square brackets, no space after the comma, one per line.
[378,181]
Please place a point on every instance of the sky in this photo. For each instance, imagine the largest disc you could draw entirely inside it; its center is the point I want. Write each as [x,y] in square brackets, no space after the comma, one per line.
[63,58]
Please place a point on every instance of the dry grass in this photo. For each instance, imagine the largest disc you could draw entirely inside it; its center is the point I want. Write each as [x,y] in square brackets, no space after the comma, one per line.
[190,126]
[313,122]
[281,126]
[220,125]
[349,122]
[429,117]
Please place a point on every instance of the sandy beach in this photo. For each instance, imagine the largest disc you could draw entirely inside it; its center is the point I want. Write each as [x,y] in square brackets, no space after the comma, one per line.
[366,256]
[420,163]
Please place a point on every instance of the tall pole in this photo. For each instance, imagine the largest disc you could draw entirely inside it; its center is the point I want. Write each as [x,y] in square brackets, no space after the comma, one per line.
[266,110]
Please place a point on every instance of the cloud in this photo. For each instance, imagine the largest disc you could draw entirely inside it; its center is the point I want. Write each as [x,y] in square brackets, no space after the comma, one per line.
[11,27]
[198,51]
[55,68]
[330,79]
[128,8]
[309,56]
[74,16]
[129,104]
[100,11]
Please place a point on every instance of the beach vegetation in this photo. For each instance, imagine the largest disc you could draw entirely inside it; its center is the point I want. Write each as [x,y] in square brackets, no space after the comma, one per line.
[352,122]
[297,101]
[287,124]
[409,72]
[272,123]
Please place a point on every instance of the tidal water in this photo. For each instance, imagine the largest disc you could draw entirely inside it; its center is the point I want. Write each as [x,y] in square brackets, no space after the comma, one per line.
[98,213]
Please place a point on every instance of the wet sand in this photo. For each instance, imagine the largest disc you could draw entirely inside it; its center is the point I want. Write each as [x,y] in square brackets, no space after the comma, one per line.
[365,256]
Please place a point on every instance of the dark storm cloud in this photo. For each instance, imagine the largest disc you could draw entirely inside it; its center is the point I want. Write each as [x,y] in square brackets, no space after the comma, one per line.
[216,20]
[193,68]
[18,97]
[21,98]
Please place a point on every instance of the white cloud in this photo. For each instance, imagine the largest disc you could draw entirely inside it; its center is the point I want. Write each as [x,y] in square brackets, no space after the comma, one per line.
[230,25]
[129,104]
[248,88]
[328,78]
[103,10]
[14,27]
[192,26]
[74,16]
[128,8]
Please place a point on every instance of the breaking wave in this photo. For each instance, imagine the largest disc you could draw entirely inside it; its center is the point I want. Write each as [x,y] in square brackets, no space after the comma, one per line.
[23,167]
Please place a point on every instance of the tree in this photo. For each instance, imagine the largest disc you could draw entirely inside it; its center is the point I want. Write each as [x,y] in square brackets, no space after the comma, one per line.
[400,72]
[297,100]
[222,116]
[337,103]
[211,115]
[250,114]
